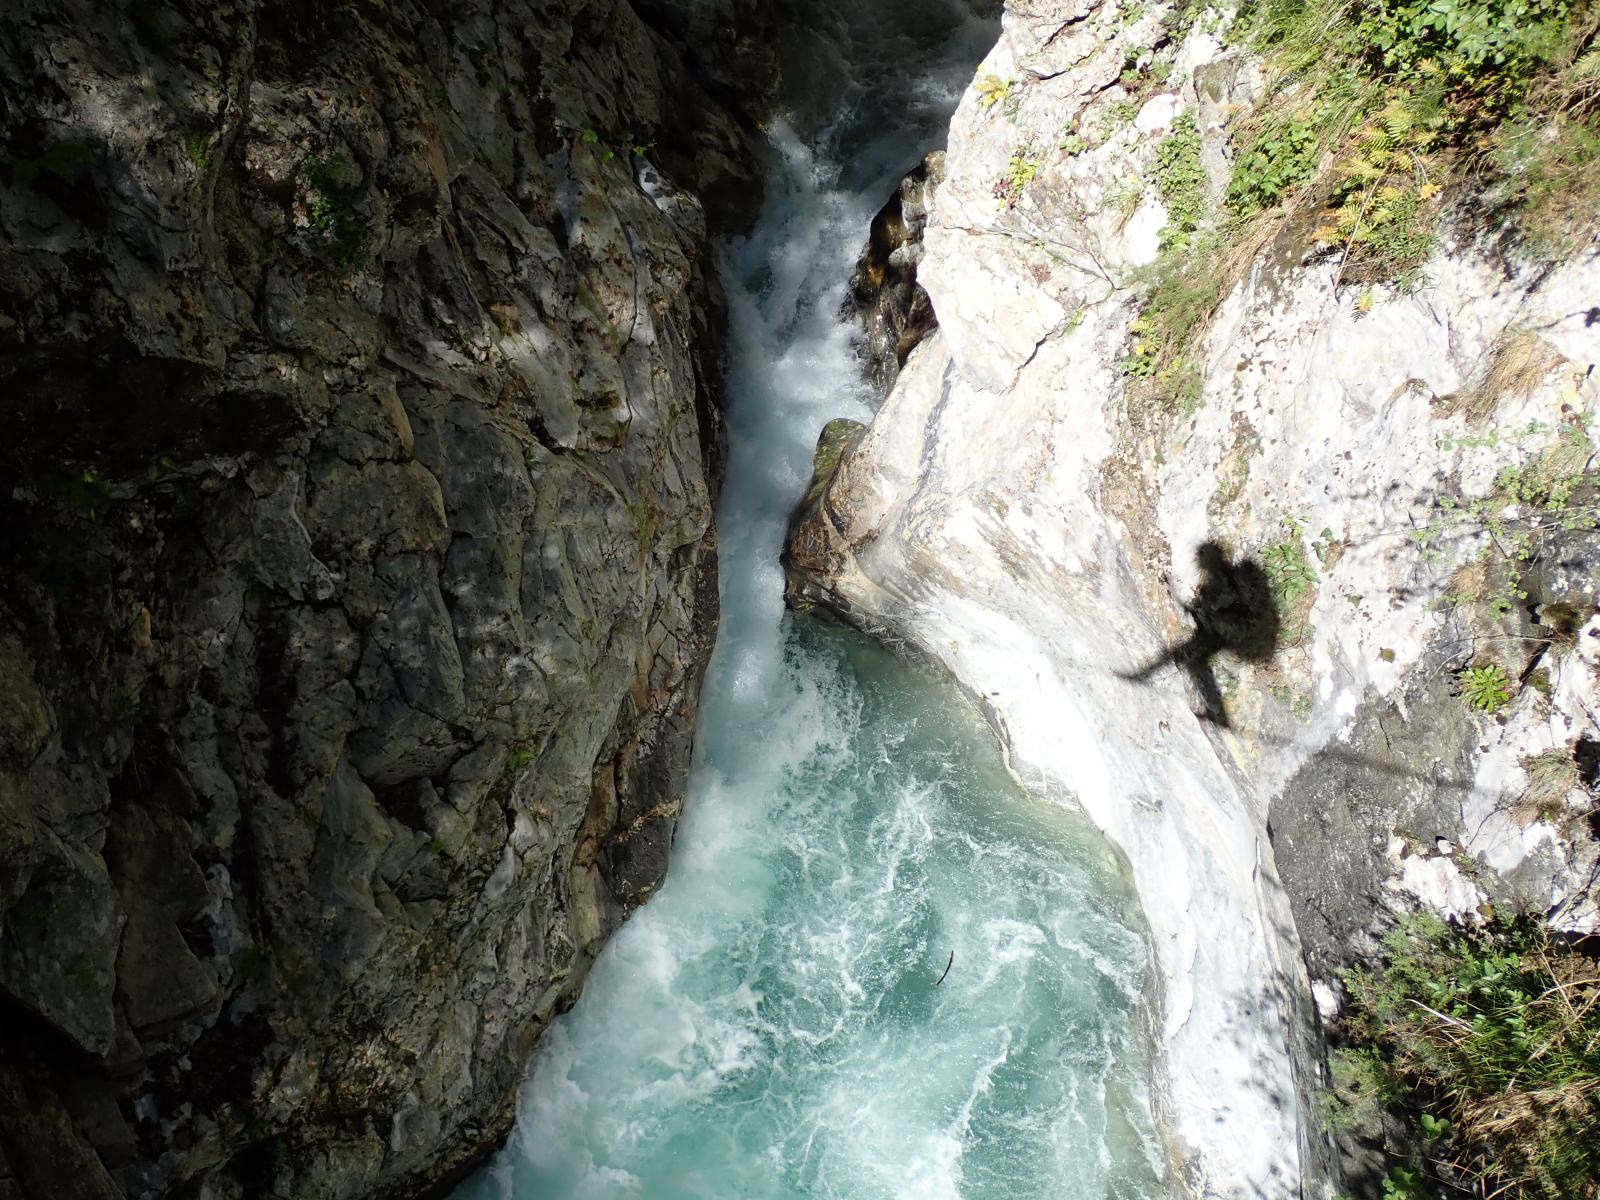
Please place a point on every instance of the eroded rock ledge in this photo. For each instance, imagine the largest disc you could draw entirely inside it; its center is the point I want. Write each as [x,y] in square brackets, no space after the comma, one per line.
[361,369]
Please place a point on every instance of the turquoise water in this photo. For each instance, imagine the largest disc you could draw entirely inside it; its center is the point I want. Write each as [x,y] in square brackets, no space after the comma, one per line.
[772,1024]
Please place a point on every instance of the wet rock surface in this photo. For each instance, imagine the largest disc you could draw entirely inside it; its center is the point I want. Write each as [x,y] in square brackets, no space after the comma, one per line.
[361,372]
[884,292]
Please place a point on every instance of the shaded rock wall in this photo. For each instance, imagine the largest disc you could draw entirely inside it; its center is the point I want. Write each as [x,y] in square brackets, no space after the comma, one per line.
[884,293]
[360,375]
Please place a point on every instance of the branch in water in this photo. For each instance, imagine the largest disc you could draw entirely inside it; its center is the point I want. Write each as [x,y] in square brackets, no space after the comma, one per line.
[947,967]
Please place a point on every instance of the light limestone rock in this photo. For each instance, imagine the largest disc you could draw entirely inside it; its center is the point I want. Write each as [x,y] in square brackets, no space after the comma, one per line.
[1014,514]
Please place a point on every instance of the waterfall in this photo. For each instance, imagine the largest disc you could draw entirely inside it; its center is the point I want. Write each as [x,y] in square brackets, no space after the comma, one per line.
[773,1023]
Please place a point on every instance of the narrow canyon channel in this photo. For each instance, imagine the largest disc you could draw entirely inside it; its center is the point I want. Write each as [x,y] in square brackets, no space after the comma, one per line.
[773,1023]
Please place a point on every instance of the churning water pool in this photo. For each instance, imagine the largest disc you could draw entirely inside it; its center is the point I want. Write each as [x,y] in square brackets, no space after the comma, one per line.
[773,1023]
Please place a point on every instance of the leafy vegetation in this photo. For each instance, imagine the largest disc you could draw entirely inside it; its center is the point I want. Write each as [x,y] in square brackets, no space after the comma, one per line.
[1279,156]
[1398,97]
[1119,114]
[198,147]
[1548,153]
[1020,172]
[1124,196]
[1181,180]
[1536,494]
[1485,1045]
[993,90]
[332,208]
[1293,582]
[1371,109]
[607,146]
[1486,688]
[1182,291]
[1288,569]
[1073,143]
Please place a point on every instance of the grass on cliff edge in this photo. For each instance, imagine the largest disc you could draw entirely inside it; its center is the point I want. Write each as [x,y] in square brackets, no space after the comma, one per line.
[1485,1045]
[1370,111]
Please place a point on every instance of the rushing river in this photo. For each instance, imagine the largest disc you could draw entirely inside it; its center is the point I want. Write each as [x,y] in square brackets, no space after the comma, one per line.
[772,1024]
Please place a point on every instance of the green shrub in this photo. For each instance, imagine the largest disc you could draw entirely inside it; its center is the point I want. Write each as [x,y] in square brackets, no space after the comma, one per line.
[1183,288]
[333,216]
[1485,49]
[1020,172]
[1371,109]
[1406,95]
[1073,144]
[1482,51]
[1118,114]
[992,90]
[1144,354]
[1288,569]
[1538,493]
[1549,151]
[1279,156]
[198,147]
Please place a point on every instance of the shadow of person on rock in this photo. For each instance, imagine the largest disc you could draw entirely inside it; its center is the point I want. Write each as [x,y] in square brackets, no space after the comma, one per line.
[1233,610]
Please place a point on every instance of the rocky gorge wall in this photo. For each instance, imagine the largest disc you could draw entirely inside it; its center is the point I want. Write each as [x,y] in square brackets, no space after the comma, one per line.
[361,372]
[1231,629]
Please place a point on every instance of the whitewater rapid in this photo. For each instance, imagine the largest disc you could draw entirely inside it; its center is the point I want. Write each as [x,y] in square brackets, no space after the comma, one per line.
[773,1023]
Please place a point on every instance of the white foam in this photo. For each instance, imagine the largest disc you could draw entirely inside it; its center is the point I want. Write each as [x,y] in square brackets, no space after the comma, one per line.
[768,1026]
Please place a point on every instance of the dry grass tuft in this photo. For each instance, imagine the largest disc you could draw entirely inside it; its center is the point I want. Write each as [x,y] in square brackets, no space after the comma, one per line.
[1469,583]
[1518,364]
[1552,776]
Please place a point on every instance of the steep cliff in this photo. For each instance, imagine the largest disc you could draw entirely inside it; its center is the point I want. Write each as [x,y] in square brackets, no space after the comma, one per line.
[1305,621]
[360,367]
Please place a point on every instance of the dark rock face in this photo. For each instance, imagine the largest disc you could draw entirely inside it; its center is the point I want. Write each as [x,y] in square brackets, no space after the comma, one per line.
[359,366]
[729,45]
[884,291]
[812,551]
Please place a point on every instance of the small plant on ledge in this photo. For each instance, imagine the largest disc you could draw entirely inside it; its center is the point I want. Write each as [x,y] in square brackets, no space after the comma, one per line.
[1020,172]
[993,90]
[1486,689]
